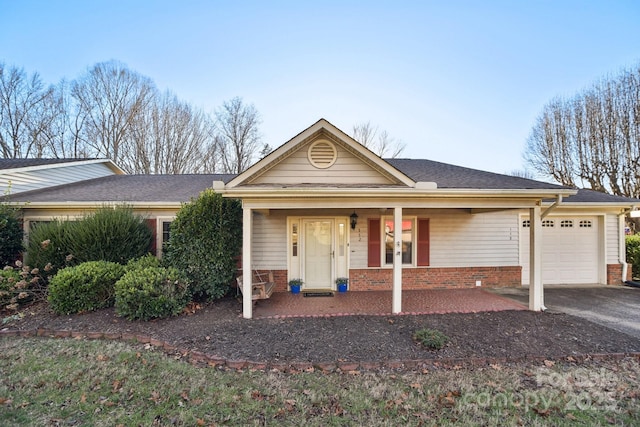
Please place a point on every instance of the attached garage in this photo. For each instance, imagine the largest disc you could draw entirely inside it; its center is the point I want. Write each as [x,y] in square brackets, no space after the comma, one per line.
[570,250]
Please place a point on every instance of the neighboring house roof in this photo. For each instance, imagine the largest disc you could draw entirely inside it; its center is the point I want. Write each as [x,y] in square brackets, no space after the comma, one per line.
[172,189]
[22,175]
[24,163]
[34,164]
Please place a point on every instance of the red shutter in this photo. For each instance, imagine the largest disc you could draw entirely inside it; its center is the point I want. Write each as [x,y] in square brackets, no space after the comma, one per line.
[151,223]
[423,242]
[374,242]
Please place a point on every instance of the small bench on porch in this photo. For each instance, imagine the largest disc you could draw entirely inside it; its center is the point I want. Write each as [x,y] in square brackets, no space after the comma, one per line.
[262,286]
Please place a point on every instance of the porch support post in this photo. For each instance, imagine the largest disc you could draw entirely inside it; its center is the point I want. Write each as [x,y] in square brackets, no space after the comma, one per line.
[397,261]
[247,226]
[536,289]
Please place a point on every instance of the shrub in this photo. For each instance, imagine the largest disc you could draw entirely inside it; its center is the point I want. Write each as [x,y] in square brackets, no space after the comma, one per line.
[85,287]
[49,245]
[10,235]
[151,292]
[20,285]
[110,234]
[633,253]
[431,338]
[205,239]
[142,262]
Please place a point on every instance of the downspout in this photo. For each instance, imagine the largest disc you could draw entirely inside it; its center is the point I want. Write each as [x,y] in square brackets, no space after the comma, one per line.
[555,204]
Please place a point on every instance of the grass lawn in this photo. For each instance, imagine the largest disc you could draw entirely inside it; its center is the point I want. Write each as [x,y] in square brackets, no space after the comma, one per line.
[47,382]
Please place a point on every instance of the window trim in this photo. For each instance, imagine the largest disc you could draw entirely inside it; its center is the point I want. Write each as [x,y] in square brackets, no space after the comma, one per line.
[375,248]
[383,247]
[160,220]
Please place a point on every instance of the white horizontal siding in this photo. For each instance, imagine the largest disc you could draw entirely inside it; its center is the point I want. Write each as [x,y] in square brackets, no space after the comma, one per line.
[457,239]
[269,242]
[296,169]
[359,240]
[480,240]
[612,236]
[18,182]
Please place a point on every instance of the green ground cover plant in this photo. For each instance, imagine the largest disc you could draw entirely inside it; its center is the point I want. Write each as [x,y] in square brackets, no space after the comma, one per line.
[431,338]
[107,383]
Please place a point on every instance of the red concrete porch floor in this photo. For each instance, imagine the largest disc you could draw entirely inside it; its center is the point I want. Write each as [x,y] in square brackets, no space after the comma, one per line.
[285,304]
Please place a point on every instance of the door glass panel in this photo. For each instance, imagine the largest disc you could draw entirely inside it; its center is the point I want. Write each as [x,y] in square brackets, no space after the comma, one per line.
[317,254]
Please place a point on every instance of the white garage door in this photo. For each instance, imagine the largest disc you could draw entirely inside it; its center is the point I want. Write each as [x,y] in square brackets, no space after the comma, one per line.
[569,250]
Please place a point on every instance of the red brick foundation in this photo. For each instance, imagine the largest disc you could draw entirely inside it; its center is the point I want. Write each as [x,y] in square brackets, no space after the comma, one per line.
[614,274]
[380,279]
[436,278]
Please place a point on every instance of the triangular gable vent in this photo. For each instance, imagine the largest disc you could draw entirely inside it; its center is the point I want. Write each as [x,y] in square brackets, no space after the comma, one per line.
[322,154]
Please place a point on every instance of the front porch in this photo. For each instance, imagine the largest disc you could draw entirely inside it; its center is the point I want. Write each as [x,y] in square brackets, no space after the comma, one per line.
[432,301]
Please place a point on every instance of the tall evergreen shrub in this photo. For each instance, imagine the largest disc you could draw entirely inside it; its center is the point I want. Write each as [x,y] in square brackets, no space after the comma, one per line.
[633,253]
[109,234]
[205,239]
[10,235]
[49,246]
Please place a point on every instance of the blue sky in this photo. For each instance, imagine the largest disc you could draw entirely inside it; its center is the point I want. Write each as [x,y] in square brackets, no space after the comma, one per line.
[456,81]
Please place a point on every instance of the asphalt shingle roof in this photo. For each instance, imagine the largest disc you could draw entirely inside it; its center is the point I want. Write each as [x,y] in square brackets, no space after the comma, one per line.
[181,188]
[451,176]
[126,188]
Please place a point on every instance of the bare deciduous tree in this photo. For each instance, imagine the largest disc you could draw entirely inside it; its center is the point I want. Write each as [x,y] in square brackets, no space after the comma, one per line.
[237,135]
[171,137]
[26,110]
[592,139]
[377,141]
[113,112]
[109,98]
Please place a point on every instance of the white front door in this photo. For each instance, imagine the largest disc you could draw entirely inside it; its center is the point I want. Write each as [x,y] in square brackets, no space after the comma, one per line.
[318,253]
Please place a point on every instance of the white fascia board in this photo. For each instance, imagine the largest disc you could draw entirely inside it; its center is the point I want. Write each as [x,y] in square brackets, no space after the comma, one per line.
[306,193]
[95,205]
[594,205]
[376,203]
[115,168]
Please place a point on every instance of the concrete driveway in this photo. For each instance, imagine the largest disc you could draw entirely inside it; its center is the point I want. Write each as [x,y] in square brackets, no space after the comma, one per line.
[616,307]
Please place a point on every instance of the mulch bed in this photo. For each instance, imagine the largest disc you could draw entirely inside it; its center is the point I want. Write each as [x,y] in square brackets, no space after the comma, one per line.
[217,329]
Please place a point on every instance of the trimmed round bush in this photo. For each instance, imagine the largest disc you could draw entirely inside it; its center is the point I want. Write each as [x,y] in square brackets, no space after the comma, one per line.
[85,287]
[142,262]
[151,292]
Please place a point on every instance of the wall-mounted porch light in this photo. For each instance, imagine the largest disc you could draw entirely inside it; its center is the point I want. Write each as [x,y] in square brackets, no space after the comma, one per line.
[354,220]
